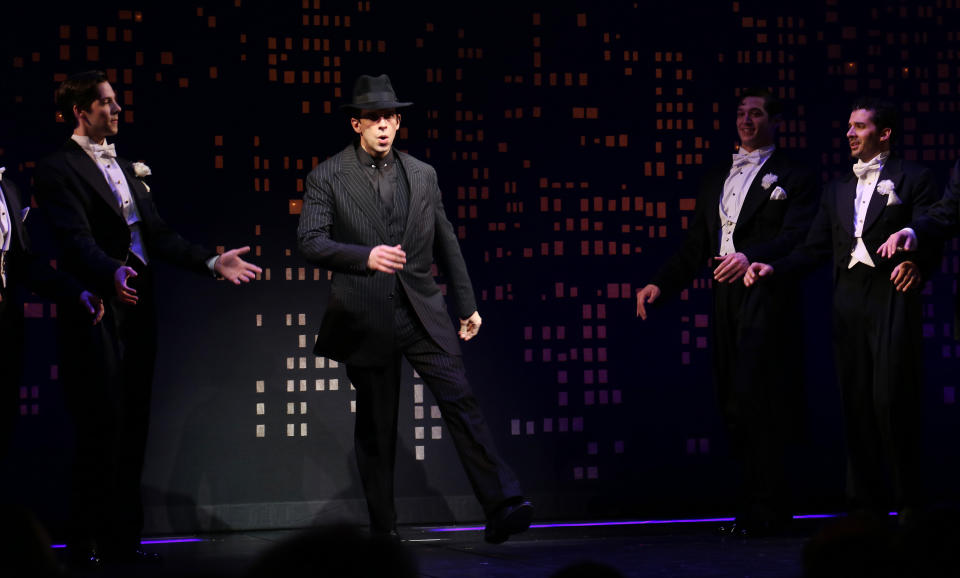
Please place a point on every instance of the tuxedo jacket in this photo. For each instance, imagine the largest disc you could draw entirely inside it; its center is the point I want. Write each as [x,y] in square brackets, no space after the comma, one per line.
[832,231]
[341,221]
[25,270]
[766,228]
[94,237]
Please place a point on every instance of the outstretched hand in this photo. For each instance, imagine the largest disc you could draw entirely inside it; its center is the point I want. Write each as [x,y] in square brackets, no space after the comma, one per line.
[234,269]
[470,326]
[904,239]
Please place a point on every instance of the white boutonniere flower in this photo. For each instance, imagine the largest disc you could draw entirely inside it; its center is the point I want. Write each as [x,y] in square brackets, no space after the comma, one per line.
[886,188]
[2,170]
[141,170]
[768,180]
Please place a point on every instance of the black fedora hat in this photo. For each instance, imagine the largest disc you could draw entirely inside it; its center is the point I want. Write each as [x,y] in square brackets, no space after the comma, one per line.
[373,93]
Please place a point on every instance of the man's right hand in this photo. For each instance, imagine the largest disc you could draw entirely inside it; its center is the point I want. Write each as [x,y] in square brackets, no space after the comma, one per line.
[125,293]
[386,259]
[646,295]
[755,271]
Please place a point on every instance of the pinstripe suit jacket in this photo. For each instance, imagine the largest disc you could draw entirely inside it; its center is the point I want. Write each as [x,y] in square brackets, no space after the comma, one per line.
[341,221]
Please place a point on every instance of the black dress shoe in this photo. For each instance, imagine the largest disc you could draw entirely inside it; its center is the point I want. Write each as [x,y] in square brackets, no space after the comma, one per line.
[508,520]
[390,535]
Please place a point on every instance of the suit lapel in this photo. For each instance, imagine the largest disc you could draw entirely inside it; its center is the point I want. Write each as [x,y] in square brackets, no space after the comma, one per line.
[756,195]
[360,190]
[12,196]
[78,159]
[892,171]
[417,193]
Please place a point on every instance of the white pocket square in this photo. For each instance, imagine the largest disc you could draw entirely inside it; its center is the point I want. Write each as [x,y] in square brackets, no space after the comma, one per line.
[778,194]
[893,199]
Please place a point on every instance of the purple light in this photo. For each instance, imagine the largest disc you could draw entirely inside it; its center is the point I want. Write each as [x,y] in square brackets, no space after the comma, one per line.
[157,541]
[594,524]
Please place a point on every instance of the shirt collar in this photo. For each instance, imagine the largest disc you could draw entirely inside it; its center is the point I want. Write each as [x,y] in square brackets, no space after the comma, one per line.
[86,143]
[369,162]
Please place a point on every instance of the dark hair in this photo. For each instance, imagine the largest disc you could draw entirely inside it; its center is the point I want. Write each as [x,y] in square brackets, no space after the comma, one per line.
[79,90]
[771,104]
[883,113]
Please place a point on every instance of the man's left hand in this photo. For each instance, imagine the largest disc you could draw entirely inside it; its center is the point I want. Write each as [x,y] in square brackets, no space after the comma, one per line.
[905,276]
[234,269]
[470,326]
[731,267]
[93,305]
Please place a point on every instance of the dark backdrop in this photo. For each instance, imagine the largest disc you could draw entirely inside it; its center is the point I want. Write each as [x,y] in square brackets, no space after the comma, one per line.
[568,138]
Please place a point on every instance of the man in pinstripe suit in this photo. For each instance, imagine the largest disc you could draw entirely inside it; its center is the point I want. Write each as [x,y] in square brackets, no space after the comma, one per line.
[375,218]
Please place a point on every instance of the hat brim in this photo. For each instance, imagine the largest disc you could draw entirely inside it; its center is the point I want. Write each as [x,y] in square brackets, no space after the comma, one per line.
[375,105]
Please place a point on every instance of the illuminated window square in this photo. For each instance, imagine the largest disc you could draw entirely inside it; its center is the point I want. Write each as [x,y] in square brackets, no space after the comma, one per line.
[303,407]
[578,473]
[261,386]
[334,364]
[291,430]
[303,430]
[515,427]
[353,406]
[418,432]
[420,452]
[319,362]
[418,412]
[578,424]
[301,341]
[618,447]
[564,424]
[261,408]
[436,432]
[289,320]
[24,392]
[303,385]
[302,319]
[334,384]
[418,393]
[592,448]
[291,363]
[530,428]
[259,320]
[588,397]
[303,363]
[291,408]
[547,425]
[291,385]
[261,430]
[320,385]
[434,412]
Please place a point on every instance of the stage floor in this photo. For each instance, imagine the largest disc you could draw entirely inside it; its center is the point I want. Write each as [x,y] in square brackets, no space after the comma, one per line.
[675,550]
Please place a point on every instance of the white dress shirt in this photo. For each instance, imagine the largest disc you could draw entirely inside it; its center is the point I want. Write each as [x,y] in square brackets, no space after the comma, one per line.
[107,163]
[868,174]
[745,168]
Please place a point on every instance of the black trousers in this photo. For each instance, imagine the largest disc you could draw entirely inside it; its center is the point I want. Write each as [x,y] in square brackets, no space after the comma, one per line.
[879,357]
[375,433]
[758,356]
[107,375]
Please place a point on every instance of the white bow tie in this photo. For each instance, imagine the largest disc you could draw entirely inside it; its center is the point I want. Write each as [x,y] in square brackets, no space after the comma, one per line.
[752,158]
[861,168]
[109,151]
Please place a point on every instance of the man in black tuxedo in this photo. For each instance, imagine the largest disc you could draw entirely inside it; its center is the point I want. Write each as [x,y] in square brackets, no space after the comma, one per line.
[937,225]
[876,323]
[110,235]
[21,271]
[374,217]
[755,208]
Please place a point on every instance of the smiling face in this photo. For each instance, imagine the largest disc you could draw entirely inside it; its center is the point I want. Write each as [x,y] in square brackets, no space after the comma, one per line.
[102,118]
[866,140]
[755,127]
[377,129]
